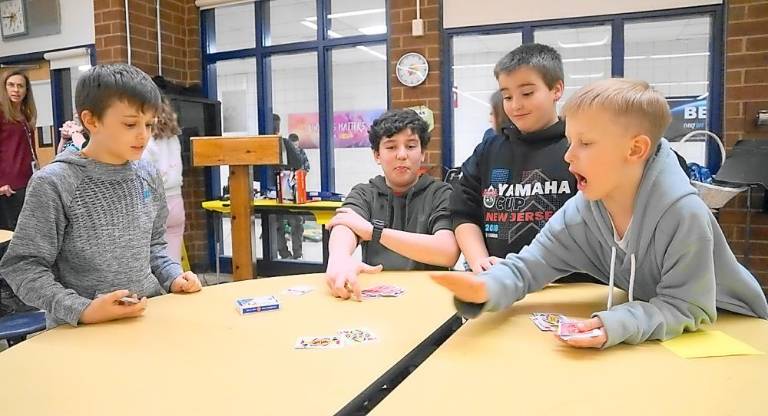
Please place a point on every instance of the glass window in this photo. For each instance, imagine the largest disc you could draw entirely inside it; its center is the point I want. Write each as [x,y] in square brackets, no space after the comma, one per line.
[474,57]
[357,17]
[673,56]
[359,97]
[586,53]
[295,100]
[235,27]
[292,21]
[236,88]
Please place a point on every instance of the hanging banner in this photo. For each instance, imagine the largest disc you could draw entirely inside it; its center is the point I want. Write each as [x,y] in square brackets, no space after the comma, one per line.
[350,128]
[688,114]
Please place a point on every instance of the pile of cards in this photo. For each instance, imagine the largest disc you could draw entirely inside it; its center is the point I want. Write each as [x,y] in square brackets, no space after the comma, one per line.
[260,304]
[548,321]
[345,337]
[382,291]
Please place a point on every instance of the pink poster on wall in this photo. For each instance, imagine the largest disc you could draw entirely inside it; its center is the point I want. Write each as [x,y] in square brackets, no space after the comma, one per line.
[350,128]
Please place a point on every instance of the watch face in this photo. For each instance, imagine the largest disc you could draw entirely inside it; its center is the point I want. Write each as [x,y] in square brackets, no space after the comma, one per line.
[412,69]
[13,20]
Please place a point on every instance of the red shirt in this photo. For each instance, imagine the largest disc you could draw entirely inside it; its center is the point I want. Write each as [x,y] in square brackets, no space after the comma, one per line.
[15,154]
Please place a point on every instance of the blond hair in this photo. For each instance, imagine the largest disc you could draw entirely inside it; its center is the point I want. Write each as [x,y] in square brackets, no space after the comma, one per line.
[627,98]
[167,122]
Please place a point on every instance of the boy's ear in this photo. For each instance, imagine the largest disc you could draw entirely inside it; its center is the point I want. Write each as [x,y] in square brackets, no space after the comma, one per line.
[640,147]
[558,89]
[376,157]
[88,120]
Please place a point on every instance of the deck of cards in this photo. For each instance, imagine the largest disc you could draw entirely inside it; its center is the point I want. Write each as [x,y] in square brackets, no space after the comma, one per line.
[260,304]
[344,337]
[382,291]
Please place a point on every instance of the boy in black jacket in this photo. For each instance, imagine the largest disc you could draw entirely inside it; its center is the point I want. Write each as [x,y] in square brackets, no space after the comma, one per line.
[516,180]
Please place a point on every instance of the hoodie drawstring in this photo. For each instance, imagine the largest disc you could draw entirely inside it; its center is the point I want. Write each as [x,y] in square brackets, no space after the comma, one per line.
[612,277]
[632,277]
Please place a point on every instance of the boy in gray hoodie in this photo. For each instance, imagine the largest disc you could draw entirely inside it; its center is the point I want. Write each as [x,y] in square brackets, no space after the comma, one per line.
[636,220]
[92,230]
[401,219]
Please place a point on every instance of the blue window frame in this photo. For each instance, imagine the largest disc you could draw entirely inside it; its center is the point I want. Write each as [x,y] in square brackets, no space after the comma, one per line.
[617,23]
[262,51]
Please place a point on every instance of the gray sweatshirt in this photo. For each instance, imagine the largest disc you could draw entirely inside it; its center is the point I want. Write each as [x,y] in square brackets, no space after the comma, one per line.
[677,266]
[89,228]
[424,209]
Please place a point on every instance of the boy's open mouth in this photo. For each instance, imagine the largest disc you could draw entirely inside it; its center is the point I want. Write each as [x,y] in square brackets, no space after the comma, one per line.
[581,181]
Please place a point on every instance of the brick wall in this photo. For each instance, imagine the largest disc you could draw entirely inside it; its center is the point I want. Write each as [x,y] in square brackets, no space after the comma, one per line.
[180,27]
[746,90]
[401,12]
[180,36]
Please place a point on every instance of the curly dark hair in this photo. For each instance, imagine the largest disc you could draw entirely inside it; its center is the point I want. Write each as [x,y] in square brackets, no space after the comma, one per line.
[396,121]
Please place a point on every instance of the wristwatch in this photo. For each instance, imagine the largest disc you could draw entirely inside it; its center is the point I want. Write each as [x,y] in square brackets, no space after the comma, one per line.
[378,227]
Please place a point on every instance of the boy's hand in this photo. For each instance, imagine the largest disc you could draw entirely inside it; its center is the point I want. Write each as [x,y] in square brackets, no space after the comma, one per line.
[186,282]
[593,342]
[341,276]
[106,308]
[465,286]
[359,225]
[483,264]
[6,190]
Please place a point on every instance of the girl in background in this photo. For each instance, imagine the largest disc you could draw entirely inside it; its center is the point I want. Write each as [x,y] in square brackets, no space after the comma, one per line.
[164,151]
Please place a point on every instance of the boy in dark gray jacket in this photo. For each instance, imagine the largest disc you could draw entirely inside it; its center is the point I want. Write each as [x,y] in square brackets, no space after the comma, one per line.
[92,230]
[402,219]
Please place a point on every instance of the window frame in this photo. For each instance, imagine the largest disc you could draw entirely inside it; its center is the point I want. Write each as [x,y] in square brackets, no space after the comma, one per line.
[716,68]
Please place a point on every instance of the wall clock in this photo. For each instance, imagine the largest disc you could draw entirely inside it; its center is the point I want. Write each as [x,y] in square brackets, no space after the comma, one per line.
[412,69]
[13,14]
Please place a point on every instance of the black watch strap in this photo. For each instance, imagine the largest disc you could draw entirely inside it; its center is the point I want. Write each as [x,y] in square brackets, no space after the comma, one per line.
[378,227]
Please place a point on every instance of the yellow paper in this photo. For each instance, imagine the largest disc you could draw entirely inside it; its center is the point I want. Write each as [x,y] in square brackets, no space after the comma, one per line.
[702,344]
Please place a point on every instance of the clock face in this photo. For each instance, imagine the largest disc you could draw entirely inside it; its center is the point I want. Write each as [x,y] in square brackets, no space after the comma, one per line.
[14,21]
[412,69]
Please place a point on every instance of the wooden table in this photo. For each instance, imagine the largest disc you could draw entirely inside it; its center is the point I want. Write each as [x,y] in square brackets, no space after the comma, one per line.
[502,364]
[195,355]
[5,236]
[323,211]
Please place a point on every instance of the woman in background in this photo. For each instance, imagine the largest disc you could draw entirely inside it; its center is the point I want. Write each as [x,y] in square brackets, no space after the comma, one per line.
[18,116]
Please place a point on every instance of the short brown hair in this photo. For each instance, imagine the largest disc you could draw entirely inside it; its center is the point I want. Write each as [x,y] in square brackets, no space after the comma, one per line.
[629,98]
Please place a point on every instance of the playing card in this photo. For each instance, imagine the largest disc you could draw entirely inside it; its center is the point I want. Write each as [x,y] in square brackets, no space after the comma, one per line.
[323,342]
[299,290]
[128,300]
[589,334]
[567,329]
[547,321]
[382,291]
[358,335]
[542,324]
